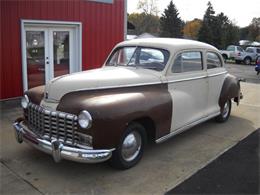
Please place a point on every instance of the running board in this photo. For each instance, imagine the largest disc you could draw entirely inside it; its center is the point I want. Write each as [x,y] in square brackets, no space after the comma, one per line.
[186,127]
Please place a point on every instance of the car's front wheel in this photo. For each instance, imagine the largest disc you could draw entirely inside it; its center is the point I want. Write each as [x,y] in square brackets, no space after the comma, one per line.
[225,112]
[130,149]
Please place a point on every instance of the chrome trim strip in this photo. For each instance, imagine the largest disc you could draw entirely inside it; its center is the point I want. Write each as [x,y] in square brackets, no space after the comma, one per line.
[187,79]
[216,74]
[186,127]
[195,78]
[119,86]
[144,84]
[58,150]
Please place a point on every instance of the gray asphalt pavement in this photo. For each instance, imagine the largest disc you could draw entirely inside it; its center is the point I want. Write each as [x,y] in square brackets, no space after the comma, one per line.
[244,71]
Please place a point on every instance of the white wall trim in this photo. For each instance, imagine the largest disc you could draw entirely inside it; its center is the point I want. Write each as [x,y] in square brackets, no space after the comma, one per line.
[23,52]
[80,46]
[51,23]
[125,19]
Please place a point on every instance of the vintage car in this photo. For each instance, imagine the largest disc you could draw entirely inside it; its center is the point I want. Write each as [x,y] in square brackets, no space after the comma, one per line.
[147,90]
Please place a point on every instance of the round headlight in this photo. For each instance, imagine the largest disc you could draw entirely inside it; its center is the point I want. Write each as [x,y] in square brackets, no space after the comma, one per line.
[85,119]
[25,101]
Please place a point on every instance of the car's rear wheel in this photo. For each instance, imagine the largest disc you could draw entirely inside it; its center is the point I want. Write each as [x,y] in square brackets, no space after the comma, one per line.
[225,112]
[130,149]
[247,61]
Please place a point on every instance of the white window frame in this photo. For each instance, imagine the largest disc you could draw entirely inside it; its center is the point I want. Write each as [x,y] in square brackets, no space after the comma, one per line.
[40,23]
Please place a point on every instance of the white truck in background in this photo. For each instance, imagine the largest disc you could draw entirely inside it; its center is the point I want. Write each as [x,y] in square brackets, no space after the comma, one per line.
[238,54]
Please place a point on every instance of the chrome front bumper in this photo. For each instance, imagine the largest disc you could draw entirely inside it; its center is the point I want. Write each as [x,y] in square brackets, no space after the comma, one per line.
[57,149]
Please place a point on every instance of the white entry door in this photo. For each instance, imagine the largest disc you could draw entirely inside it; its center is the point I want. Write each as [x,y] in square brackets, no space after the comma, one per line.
[50,52]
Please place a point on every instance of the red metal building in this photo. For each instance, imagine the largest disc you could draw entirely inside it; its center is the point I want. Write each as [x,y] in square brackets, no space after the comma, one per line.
[43,39]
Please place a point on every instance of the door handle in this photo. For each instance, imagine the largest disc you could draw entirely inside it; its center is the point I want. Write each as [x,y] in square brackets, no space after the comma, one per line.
[41,69]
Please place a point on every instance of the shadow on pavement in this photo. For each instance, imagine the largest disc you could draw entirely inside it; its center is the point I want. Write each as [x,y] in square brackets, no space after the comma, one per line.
[234,172]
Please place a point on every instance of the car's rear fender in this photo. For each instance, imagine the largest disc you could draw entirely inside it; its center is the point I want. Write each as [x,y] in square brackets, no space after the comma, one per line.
[230,89]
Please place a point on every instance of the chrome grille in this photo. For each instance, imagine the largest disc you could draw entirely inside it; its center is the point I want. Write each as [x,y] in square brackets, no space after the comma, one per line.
[53,124]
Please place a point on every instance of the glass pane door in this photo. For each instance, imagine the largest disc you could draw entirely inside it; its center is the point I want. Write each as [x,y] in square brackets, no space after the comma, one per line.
[35,56]
[61,52]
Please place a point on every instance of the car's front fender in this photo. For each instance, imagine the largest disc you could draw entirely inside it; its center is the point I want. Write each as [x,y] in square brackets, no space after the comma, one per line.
[113,109]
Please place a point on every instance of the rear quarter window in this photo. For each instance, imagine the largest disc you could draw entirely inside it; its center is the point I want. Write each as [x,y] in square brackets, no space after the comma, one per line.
[187,62]
[213,60]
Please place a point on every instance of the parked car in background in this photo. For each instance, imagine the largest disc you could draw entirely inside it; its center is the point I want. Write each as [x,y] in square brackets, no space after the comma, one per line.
[254,52]
[238,54]
[148,89]
[226,54]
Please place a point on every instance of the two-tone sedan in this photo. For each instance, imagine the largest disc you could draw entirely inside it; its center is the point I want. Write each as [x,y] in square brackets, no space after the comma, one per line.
[148,89]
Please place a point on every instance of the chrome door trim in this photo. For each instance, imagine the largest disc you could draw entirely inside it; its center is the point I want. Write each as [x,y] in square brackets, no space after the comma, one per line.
[120,86]
[197,77]
[186,79]
[216,74]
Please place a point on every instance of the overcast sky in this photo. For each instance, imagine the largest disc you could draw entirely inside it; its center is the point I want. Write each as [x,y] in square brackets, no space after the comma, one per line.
[239,11]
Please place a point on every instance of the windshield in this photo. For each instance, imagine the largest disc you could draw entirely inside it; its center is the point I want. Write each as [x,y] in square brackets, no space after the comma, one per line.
[143,57]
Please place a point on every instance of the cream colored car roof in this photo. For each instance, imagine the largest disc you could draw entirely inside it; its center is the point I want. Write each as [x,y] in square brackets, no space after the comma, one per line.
[171,44]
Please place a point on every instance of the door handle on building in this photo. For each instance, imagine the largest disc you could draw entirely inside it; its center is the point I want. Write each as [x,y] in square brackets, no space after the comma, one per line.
[41,69]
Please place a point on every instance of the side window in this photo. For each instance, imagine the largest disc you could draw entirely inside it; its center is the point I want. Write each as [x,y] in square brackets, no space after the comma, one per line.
[258,51]
[250,50]
[231,48]
[187,62]
[213,60]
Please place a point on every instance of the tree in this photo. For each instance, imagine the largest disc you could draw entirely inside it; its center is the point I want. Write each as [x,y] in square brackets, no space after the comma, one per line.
[218,30]
[243,33]
[148,7]
[144,23]
[206,32]
[191,29]
[254,29]
[225,32]
[231,35]
[147,21]
[170,22]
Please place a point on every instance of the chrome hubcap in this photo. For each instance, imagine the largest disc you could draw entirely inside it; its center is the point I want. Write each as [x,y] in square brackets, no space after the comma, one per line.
[226,109]
[131,146]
